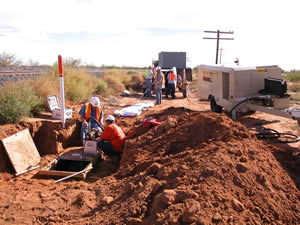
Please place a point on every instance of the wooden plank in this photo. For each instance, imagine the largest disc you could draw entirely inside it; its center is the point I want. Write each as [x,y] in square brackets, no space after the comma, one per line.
[56,173]
[21,151]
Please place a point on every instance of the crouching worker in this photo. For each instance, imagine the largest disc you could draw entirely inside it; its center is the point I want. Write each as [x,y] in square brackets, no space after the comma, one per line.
[87,111]
[112,138]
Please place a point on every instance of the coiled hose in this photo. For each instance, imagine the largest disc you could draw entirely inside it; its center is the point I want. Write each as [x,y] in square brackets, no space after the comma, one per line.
[268,133]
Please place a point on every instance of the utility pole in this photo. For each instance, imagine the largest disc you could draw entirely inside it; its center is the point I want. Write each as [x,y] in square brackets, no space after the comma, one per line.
[221,50]
[218,32]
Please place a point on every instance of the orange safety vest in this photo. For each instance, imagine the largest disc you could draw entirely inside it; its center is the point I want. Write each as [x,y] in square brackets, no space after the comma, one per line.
[172,76]
[88,110]
[114,134]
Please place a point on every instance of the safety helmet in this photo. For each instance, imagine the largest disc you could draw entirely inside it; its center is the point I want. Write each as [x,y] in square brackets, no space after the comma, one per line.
[110,118]
[157,68]
[95,101]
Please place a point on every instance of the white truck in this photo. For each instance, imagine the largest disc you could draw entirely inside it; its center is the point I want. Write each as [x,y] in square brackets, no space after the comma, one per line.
[243,90]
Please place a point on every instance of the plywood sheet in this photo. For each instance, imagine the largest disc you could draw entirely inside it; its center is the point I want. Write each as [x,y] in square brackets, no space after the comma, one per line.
[21,151]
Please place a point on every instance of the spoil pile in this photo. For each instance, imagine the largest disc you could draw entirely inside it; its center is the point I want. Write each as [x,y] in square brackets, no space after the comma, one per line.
[203,168]
[195,167]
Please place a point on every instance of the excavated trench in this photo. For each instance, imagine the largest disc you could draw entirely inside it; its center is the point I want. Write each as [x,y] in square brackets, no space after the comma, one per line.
[48,136]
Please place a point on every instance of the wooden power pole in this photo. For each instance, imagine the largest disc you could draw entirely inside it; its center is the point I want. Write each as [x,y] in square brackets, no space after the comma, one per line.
[218,32]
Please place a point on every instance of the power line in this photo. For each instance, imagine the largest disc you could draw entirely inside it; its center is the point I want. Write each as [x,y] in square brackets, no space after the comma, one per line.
[218,32]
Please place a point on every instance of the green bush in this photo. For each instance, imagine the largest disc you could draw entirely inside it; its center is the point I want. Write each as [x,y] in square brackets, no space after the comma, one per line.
[294,75]
[78,85]
[18,101]
[100,87]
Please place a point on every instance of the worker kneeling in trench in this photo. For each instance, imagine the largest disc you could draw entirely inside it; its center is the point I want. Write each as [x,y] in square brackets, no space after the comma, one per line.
[112,139]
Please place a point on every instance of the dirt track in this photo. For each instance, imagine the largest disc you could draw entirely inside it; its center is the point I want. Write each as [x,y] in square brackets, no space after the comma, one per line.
[197,167]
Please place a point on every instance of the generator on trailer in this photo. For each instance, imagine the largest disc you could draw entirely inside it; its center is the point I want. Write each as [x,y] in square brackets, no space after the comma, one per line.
[244,90]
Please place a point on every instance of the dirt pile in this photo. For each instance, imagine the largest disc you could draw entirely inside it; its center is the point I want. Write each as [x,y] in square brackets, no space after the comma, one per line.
[203,168]
[194,168]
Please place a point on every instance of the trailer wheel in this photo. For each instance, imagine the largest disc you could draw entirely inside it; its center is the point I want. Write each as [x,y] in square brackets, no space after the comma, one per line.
[214,107]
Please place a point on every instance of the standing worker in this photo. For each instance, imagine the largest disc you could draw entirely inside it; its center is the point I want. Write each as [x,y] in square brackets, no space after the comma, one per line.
[158,85]
[148,78]
[89,110]
[172,80]
[112,138]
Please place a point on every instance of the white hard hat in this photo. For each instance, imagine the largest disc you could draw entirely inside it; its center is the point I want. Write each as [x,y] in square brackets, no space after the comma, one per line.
[110,117]
[95,101]
[174,69]
[157,68]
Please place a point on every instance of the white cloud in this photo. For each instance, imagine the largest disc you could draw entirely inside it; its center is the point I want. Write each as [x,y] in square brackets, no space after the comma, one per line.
[133,32]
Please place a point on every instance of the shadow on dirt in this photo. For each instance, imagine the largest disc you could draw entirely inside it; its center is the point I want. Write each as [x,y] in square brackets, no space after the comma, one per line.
[103,168]
[286,155]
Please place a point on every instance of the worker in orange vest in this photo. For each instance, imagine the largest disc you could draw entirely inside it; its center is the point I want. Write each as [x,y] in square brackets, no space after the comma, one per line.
[112,138]
[172,80]
[89,112]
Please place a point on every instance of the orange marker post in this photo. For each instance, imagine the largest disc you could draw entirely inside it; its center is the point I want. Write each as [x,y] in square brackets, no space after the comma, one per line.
[62,91]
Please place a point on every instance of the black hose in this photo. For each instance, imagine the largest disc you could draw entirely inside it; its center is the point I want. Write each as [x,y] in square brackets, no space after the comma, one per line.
[93,118]
[248,99]
[268,133]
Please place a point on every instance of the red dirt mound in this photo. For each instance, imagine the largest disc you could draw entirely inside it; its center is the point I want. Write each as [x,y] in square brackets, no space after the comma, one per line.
[194,168]
[204,168]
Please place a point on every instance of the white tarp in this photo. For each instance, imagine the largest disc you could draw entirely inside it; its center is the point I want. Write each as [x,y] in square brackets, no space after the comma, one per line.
[134,110]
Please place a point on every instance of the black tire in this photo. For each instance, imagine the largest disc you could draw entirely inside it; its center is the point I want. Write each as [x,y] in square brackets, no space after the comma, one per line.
[214,107]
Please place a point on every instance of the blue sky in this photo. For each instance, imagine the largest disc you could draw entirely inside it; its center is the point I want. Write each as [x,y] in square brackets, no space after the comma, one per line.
[133,32]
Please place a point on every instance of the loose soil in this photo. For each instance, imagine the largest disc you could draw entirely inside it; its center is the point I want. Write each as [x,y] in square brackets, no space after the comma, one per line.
[197,167]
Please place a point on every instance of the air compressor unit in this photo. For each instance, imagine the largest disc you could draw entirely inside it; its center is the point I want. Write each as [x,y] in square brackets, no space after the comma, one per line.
[241,90]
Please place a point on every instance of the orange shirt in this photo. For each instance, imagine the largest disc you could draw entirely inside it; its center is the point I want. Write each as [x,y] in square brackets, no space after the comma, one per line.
[172,76]
[114,134]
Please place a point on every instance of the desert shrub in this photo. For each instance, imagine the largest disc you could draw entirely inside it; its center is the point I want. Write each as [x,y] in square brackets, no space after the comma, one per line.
[136,82]
[132,72]
[7,59]
[293,75]
[18,100]
[45,86]
[78,85]
[295,97]
[115,86]
[130,80]
[100,87]
[294,87]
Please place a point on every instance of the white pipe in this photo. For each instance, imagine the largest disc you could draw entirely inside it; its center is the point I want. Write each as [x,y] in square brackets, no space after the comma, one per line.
[62,99]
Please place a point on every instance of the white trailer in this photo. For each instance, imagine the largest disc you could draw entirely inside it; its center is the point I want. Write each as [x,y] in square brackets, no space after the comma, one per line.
[242,90]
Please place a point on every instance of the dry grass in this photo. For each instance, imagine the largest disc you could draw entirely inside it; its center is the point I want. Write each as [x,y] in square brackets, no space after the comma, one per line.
[119,80]
[293,75]
[294,87]
[295,96]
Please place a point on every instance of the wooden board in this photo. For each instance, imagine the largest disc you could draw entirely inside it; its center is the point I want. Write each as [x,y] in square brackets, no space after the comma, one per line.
[22,151]
[55,173]
[75,154]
